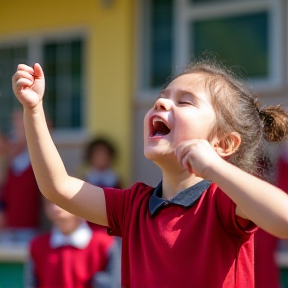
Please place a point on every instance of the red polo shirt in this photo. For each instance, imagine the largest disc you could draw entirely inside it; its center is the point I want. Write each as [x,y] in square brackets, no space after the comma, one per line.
[67,266]
[21,199]
[193,240]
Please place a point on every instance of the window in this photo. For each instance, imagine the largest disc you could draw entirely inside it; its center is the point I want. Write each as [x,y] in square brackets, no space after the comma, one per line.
[62,62]
[245,33]
[234,37]
[63,73]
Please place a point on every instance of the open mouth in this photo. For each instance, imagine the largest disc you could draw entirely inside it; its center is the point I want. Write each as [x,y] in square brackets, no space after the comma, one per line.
[159,127]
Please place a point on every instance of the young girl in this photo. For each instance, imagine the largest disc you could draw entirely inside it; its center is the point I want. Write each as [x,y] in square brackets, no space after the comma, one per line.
[195,229]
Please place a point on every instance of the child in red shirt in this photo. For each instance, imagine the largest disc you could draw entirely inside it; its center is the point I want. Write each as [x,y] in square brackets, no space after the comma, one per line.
[72,255]
[204,131]
[20,197]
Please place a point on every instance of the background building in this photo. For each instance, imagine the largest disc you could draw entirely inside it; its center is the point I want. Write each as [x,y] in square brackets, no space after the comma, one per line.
[106,60]
[86,50]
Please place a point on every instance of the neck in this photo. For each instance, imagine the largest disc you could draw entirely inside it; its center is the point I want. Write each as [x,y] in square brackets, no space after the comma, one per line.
[68,226]
[173,183]
[175,177]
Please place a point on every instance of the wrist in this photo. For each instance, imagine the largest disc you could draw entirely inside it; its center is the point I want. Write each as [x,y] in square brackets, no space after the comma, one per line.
[216,169]
[32,110]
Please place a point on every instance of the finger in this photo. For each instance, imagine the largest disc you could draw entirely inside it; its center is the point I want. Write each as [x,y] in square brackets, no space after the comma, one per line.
[23,74]
[186,163]
[22,84]
[178,150]
[38,72]
[182,150]
[25,67]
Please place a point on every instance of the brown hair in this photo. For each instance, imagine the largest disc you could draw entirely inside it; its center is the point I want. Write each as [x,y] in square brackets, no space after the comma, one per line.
[99,142]
[238,110]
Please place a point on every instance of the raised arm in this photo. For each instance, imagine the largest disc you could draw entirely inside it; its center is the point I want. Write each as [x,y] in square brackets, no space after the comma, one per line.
[72,194]
[257,200]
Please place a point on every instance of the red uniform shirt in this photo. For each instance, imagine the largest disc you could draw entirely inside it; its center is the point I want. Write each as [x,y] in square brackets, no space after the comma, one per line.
[68,266]
[20,196]
[193,240]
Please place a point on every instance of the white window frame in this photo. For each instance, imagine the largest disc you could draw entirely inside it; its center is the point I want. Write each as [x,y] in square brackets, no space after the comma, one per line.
[184,12]
[35,42]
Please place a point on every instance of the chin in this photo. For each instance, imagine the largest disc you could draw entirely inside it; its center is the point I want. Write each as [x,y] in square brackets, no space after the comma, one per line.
[149,154]
[157,154]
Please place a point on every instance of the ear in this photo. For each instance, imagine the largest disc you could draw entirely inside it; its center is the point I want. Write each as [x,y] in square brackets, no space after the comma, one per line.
[228,145]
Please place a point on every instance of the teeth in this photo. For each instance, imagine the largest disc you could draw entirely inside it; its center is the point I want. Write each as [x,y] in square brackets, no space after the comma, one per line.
[156,119]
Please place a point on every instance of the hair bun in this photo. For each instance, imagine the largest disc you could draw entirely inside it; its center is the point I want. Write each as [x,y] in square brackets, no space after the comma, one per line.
[275,123]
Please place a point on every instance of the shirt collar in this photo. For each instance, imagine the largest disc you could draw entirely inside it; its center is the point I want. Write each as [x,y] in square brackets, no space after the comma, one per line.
[185,198]
[78,238]
[20,162]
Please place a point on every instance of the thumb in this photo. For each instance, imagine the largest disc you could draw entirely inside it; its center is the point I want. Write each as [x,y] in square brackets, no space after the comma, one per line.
[38,72]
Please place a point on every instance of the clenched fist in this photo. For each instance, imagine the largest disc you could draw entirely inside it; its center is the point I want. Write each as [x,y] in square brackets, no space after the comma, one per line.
[28,85]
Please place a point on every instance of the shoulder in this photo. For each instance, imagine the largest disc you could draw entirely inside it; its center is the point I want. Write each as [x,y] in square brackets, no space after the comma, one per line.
[138,192]
[216,194]
[141,187]
[39,242]
[138,188]
[41,237]
[217,199]
[213,191]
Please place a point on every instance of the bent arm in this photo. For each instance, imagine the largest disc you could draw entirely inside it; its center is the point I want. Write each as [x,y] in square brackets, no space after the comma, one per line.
[257,200]
[72,194]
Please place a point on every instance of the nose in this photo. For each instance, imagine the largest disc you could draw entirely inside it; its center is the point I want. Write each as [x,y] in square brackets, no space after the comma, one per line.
[163,104]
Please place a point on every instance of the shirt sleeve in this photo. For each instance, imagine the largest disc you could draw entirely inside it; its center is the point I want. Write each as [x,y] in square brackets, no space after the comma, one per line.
[232,223]
[118,207]
[111,276]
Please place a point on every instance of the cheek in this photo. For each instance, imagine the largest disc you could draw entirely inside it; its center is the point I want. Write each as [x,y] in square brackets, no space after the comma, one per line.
[196,128]
[146,122]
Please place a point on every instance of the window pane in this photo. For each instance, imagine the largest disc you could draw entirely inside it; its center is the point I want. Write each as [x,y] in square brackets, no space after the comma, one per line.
[63,70]
[241,40]
[9,59]
[161,42]
[213,1]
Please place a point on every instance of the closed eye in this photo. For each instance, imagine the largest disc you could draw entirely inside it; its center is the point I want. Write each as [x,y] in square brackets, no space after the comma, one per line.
[185,103]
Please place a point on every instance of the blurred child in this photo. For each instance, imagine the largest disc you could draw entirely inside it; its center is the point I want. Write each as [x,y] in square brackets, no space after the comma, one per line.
[4,150]
[99,157]
[196,228]
[19,195]
[72,255]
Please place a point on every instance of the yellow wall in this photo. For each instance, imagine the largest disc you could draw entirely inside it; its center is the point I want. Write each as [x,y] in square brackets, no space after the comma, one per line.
[108,58]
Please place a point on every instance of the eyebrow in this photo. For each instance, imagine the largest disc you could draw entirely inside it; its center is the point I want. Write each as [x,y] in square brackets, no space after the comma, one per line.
[164,93]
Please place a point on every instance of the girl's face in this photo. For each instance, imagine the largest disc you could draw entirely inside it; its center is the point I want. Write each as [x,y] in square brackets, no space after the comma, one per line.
[182,112]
